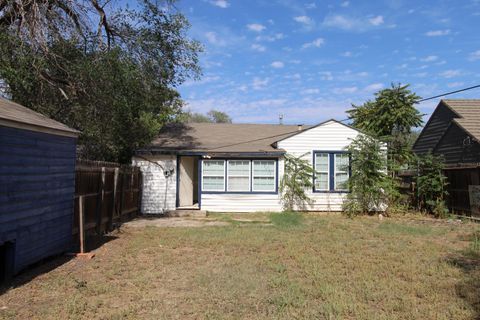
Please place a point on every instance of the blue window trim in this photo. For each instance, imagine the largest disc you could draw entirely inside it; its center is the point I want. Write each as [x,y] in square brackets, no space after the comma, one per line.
[331,168]
[200,177]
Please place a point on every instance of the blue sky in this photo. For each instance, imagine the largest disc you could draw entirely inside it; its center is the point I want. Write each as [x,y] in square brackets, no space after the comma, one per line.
[309,60]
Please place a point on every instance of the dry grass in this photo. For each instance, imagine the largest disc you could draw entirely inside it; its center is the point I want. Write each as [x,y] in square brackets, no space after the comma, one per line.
[319,267]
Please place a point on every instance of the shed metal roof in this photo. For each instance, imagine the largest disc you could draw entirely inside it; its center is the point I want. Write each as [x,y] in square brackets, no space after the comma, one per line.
[14,115]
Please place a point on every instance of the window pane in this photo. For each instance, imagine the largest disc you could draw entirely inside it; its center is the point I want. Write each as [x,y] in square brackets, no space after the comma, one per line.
[213,167]
[212,184]
[321,162]
[321,181]
[341,181]
[238,168]
[264,168]
[238,183]
[264,183]
[341,162]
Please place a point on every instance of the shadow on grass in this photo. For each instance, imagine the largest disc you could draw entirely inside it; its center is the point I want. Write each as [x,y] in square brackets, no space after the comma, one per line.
[49,264]
[469,262]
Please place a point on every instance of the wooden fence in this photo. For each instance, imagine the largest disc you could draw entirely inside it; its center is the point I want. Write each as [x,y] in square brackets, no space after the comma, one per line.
[459,179]
[106,194]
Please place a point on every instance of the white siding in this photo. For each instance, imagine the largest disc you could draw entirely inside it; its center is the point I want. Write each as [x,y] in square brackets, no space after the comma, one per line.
[240,202]
[331,136]
[159,193]
[230,202]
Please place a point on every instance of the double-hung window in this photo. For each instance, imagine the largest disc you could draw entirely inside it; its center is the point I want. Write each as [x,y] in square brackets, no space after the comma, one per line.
[238,173]
[342,171]
[322,163]
[213,175]
[332,171]
[263,172]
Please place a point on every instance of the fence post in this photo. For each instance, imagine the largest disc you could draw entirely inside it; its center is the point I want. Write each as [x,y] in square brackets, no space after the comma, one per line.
[81,223]
[100,200]
[122,186]
[114,200]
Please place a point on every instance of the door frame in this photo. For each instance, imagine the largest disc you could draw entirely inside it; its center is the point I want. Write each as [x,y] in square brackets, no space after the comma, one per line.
[199,186]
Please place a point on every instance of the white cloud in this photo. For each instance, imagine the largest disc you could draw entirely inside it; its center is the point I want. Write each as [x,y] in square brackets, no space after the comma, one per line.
[455,84]
[295,76]
[312,5]
[437,33]
[345,90]
[341,22]
[347,54]
[307,21]
[277,64]
[429,59]
[311,91]
[256,27]
[373,87]
[213,38]
[317,43]
[271,38]
[345,4]
[474,56]
[220,3]
[258,83]
[258,47]
[376,21]
[450,73]
[326,75]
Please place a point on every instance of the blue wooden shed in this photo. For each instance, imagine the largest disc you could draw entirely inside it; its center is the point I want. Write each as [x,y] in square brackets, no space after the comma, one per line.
[37,187]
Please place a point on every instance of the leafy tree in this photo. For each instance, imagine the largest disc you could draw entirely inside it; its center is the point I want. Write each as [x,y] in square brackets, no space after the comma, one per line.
[390,117]
[296,179]
[371,188]
[431,185]
[213,116]
[114,81]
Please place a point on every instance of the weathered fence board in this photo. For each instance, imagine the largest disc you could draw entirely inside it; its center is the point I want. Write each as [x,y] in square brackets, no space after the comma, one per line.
[111,195]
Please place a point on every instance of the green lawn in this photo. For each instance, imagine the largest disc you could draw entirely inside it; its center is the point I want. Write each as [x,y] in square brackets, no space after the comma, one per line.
[287,267]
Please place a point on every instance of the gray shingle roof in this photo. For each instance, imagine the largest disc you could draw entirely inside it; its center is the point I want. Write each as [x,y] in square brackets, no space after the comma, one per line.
[15,114]
[221,138]
[468,111]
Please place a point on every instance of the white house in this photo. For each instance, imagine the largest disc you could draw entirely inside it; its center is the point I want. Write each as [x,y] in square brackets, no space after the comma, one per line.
[237,167]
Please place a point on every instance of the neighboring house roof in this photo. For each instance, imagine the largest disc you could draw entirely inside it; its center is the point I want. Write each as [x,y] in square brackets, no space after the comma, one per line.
[468,112]
[221,138]
[14,115]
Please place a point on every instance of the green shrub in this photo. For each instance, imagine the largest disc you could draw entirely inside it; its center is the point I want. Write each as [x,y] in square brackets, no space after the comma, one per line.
[431,185]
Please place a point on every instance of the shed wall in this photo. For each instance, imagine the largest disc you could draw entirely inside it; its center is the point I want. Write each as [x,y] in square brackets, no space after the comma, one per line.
[37,186]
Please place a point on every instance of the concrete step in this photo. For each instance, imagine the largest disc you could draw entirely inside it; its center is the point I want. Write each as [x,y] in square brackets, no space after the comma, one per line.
[186,213]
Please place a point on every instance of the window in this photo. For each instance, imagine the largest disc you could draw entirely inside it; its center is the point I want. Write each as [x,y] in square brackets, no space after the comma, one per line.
[321,167]
[213,173]
[263,173]
[238,173]
[332,170]
[342,171]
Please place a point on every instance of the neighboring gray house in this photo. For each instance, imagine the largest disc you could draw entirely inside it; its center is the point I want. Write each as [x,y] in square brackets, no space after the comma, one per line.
[237,167]
[453,132]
